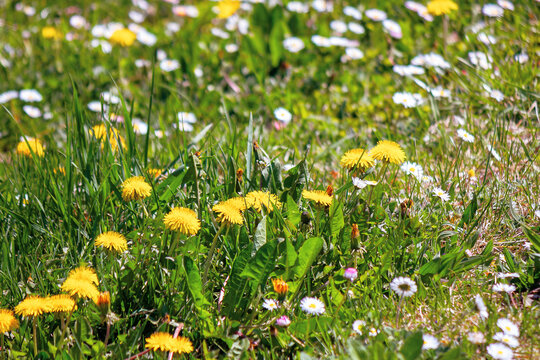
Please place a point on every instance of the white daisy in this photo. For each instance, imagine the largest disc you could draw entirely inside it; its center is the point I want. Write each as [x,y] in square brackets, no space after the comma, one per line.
[492,10]
[220,33]
[322,5]
[32,111]
[283,115]
[354,53]
[497,95]
[440,92]
[352,12]
[312,306]
[506,339]
[338,26]
[481,307]
[270,304]
[356,28]
[231,48]
[320,41]
[411,168]
[30,95]
[403,286]
[77,21]
[293,44]
[392,28]
[373,332]
[465,136]
[508,327]
[443,195]
[360,184]
[430,342]
[521,58]
[408,70]
[146,38]
[375,14]
[169,65]
[139,127]
[499,351]
[358,325]
[8,96]
[480,59]
[476,338]
[408,100]
[298,7]
[507,288]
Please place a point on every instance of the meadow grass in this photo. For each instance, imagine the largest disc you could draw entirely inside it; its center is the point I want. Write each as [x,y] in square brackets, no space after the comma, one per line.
[419,248]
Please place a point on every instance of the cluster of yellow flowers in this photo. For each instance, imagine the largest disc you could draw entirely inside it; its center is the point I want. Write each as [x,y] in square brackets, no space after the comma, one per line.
[385,150]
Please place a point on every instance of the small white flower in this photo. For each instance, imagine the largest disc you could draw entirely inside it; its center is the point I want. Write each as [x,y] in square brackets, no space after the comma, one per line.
[403,286]
[95,106]
[186,117]
[508,327]
[375,14]
[443,195]
[507,275]
[476,338]
[373,332]
[77,21]
[465,136]
[505,4]
[408,70]
[298,7]
[352,12]
[486,39]
[506,339]
[110,98]
[293,44]
[356,28]
[322,5]
[283,115]
[338,26]
[358,325]
[414,169]
[497,95]
[8,96]
[231,48]
[136,16]
[139,127]
[32,111]
[521,58]
[220,33]
[140,63]
[492,10]
[406,99]
[354,53]
[360,184]
[427,179]
[481,307]
[480,59]
[431,59]
[146,38]
[169,65]
[312,306]
[186,10]
[507,288]
[320,41]
[430,342]
[439,92]
[392,28]
[499,351]
[30,95]
[270,304]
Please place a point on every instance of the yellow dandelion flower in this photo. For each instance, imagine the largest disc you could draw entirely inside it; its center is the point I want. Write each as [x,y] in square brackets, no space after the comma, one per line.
[441,7]
[115,139]
[357,158]
[388,151]
[160,341]
[33,306]
[258,199]
[183,220]
[227,8]
[181,345]
[320,197]
[103,300]
[230,211]
[135,188]
[123,37]
[61,303]
[34,145]
[7,321]
[82,282]
[49,32]
[112,241]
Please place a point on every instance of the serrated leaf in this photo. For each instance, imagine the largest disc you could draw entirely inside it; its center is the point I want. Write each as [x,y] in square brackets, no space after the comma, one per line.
[307,255]
[260,234]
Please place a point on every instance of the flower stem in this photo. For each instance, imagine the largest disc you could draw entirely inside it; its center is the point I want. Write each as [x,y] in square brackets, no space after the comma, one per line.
[211,252]
[2,347]
[34,332]
[107,334]
[399,311]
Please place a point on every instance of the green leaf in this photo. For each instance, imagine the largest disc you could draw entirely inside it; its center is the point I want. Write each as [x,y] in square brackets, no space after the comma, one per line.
[337,222]
[195,287]
[260,234]
[452,354]
[235,286]
[470,211]
[412,347]
[292,211]
[307,255]
[262,264]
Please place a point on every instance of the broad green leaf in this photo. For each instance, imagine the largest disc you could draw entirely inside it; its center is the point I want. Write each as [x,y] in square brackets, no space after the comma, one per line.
[337,222]
[307,255]
[292,211]
[412,347]
[260,234]
[262,264]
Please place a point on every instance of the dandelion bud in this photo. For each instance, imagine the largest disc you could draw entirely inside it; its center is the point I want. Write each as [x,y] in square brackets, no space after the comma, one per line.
[280,286]
[350,274]
[103,301]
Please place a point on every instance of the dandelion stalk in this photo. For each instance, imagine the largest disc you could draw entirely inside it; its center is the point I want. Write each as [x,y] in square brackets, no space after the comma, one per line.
[211,252]
[64,329]
[34,332]
[2,347]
